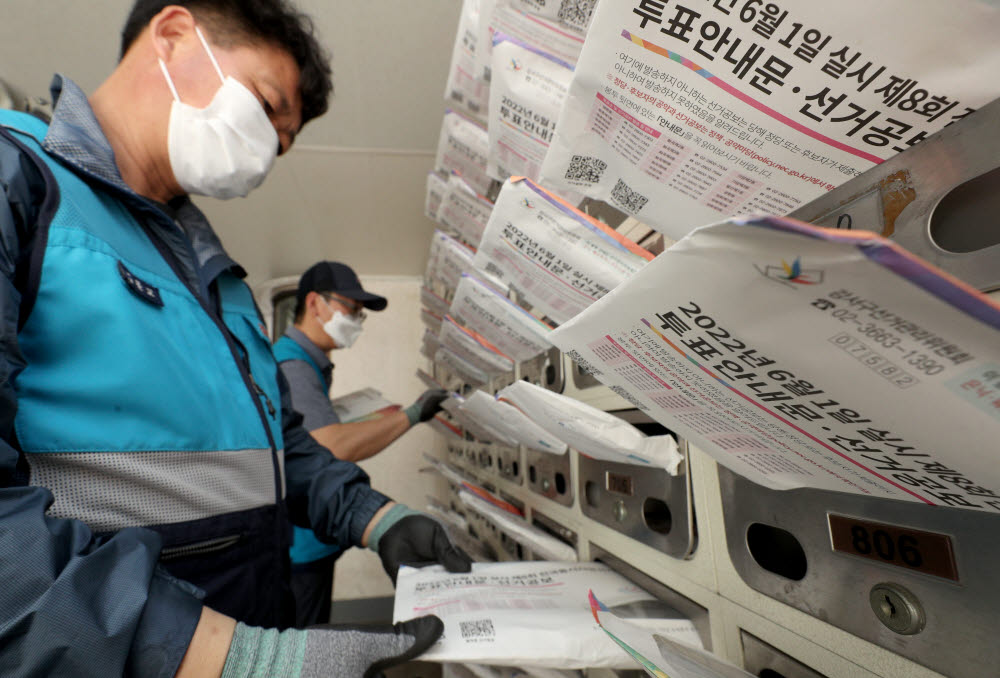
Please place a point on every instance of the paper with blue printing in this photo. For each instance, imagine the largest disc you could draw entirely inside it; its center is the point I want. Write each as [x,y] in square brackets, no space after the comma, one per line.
[591,431]
[541,544]
[463,147]
[528,27]
[512,425]
[527,92]
[530,613]
[466,87]
[509,327]
[660,655]
[799,356]
[555,257]
[474,348]
[463,212]
[436,187]
[684,113]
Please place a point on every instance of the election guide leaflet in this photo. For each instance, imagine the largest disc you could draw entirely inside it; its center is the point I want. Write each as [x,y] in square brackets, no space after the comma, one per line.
[573,14]
[360,405]
[551,254]
[466,86]
[528,89]
[447,261]
[463,147]
[434,302]
[591,431]
[509,327]
[474,348]
[659,654]
[533,613]
[498,16]
[799,356]
[432,321]
[682,113]
[436,187]
[470,374]
[512,425]
[512,522]
[464,212]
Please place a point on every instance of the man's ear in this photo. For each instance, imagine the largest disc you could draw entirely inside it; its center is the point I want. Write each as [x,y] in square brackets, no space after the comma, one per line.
[169,29]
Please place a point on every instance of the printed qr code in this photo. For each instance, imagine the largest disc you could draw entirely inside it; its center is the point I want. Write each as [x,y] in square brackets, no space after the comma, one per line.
[576,13]
[586,168]
[631,201]
[481,628]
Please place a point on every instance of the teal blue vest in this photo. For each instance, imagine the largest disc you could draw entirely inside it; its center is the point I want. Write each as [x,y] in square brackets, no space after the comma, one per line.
[306,548]
[137,406]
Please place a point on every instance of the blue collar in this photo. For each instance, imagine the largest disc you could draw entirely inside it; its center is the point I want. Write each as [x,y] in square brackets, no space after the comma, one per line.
[315,352]
[76,138]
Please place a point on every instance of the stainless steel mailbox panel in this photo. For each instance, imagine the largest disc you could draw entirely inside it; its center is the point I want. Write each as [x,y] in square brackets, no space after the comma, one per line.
[780,544]
[939,199]
[647,504]
[508,463]
[549,476]
[762,659]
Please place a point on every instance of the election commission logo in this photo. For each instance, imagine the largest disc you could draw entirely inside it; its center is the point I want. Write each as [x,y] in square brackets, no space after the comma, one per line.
[792,274]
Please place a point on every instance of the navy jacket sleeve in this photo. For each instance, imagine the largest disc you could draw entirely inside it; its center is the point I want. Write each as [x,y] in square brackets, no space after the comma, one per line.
[70,604]
[332,496]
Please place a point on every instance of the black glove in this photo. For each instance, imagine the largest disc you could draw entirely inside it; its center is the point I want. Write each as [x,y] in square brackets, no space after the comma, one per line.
[427,405]
[419,540]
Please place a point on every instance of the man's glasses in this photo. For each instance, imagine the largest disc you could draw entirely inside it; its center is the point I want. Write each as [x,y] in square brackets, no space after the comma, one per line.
[354,308]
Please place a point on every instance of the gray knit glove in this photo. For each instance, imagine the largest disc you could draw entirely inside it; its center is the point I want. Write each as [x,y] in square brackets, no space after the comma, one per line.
[328,651]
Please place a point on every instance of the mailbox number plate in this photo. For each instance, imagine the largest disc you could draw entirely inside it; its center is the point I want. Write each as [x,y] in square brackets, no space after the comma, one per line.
[926,552]
[619,484]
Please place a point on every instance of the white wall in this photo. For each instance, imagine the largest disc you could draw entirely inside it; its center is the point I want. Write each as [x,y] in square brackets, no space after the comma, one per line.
[385,357]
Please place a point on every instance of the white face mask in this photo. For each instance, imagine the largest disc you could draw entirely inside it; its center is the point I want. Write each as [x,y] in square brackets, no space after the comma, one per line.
[343,329]
[226,149]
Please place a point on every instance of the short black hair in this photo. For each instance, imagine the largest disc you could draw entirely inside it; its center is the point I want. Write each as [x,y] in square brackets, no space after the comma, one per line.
[238,22]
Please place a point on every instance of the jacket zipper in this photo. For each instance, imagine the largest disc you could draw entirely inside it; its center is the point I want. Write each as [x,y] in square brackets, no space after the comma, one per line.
[200,548]
[231,340]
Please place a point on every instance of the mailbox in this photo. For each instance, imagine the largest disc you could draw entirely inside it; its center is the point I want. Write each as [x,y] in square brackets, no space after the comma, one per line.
[646,504]
[549,475]
[917,580]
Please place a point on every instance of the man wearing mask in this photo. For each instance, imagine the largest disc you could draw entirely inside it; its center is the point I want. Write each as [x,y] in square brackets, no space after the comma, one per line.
[329,314]
[149,455]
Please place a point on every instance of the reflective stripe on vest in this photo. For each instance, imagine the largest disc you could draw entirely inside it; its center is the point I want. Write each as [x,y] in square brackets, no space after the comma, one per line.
[133,409]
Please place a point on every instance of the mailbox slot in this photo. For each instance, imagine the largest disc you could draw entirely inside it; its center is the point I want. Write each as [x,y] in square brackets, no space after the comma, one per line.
[695,612]
[767,661]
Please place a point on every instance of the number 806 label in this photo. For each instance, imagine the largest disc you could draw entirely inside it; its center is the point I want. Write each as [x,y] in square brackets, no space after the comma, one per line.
[926,552]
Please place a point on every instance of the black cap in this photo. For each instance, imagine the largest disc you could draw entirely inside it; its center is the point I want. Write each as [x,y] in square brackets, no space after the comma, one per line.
[333,276]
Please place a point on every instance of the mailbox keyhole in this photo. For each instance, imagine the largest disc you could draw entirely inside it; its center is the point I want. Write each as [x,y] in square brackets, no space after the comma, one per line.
[777,551]
[656,515]
[514,468]
[532,476]
[888,609]
[560,483]
[592,494]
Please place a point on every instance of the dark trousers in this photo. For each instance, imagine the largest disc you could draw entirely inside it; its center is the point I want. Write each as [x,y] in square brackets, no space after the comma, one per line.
[312,587]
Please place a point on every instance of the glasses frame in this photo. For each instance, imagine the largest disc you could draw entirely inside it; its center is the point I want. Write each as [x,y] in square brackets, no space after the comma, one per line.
[355,308]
